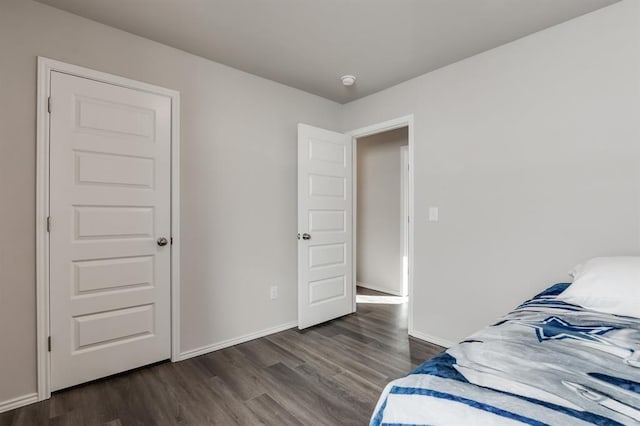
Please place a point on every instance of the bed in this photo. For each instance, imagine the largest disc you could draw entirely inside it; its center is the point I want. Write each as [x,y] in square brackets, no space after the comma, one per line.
[548,362]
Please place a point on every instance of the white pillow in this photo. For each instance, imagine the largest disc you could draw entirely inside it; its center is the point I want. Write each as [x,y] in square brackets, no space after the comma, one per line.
[607,284]
[575,270]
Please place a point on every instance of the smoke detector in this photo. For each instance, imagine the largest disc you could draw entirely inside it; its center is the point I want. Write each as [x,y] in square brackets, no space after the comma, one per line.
[348,80]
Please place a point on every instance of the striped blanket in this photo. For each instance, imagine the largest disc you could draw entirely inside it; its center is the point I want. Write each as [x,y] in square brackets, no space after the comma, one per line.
[545,363]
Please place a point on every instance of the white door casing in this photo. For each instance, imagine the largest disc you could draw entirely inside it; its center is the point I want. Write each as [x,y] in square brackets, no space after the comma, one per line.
[110,200]
[404,217]
[325,270]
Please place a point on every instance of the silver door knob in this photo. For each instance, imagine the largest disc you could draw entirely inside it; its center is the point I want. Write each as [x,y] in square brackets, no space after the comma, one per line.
[306,236]
[162,241]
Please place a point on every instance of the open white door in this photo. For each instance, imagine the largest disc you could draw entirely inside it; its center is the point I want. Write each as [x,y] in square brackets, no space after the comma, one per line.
[325,284]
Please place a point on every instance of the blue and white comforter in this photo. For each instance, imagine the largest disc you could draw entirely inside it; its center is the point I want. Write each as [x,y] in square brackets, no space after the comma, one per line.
[545,363]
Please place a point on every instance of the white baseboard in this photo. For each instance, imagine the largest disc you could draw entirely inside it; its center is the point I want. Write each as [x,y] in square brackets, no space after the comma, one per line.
[380,289]
[18,402]
[235,341]
[431,339]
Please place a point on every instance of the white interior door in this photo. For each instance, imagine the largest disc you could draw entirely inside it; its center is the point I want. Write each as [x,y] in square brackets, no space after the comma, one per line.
[110,152]
[325,167]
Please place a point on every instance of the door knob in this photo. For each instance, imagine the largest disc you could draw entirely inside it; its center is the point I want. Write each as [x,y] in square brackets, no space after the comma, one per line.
[306,236]
[162,241]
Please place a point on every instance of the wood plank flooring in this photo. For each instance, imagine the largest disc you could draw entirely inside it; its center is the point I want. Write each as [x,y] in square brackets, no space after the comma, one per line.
[331,374]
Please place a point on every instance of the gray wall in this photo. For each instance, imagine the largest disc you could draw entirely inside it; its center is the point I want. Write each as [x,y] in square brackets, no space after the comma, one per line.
[379,236]
[532,153]
[238,165]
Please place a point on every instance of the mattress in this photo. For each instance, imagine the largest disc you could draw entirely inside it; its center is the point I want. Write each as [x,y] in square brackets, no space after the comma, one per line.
[545,363]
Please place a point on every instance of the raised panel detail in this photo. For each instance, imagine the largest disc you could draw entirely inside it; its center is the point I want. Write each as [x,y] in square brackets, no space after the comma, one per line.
[113,170]
[327,186]
[112,117]
[328,152]
[327,255]
[95,276]
[327,289]
[327,221]
[113,222]
[113,327]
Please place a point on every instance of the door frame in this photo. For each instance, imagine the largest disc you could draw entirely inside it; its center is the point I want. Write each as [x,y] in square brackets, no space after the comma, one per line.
[396,123]
[45,67]
[404,219]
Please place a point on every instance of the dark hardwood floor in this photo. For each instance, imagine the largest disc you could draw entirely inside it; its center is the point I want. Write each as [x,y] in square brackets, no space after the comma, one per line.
[330,374]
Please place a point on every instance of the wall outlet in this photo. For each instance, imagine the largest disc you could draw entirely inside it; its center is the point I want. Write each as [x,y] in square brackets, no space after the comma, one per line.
[274,292]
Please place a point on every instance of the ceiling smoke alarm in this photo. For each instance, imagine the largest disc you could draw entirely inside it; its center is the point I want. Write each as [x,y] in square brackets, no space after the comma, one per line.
[348,80]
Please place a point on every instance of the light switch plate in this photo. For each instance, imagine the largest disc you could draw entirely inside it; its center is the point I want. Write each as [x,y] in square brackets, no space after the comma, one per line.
[433,214]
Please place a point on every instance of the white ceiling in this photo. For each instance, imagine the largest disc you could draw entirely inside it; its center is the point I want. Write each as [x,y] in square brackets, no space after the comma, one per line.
[309,44]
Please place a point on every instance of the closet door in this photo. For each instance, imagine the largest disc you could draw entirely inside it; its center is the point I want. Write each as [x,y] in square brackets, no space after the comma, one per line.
[110,168]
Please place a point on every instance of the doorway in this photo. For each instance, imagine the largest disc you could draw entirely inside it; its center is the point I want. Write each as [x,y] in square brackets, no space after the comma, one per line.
[381,216]
[327,221]
[107,207]
[381,220]
[383,206]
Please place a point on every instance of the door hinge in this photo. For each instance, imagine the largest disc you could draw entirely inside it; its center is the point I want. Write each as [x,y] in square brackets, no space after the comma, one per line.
[48,223]
[171,240]
[49,104]
[49,343]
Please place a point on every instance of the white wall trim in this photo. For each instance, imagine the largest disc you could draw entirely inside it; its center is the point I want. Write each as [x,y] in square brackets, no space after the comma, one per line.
[378,288]
[42,237]
[175,225]
[404,216]
[431,339]
[396,123]
[384,126]
[18,402]
[45,67]
[235,341]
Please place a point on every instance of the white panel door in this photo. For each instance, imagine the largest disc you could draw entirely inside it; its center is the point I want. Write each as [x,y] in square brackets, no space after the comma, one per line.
[325,284]
[110,153]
